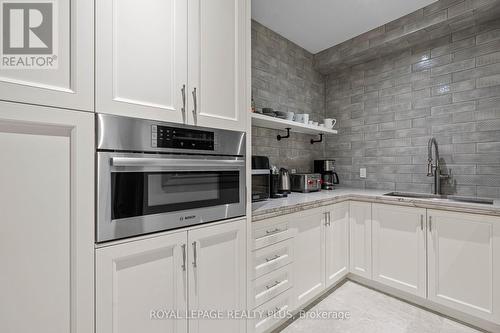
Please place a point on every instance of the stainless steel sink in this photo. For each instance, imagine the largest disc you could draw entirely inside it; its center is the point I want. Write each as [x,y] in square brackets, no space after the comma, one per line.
[441,197]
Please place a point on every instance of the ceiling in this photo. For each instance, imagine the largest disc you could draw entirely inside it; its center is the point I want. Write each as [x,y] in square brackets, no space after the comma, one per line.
[319,24]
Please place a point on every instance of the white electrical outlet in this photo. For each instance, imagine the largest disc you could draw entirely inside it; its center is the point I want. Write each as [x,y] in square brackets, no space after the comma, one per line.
[362,173]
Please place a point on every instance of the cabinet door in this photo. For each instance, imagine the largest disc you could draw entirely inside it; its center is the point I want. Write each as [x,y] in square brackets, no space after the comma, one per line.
[141,58]
[309,254]
[360,225]
[337,243]
[136,281]
[217,62]
[217,273]
[69,81]
[398,247]
[464,265]
[47,218]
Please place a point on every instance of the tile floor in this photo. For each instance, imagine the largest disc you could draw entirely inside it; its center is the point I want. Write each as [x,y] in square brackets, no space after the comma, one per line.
[373,312]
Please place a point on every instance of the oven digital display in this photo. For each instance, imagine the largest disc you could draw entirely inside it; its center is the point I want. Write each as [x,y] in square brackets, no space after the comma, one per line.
[181,138]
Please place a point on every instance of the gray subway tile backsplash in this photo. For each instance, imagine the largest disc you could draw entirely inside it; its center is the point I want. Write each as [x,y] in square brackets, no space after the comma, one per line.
[389,107]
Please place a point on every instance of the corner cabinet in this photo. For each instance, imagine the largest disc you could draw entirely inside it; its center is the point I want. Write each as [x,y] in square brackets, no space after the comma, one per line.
[464,263]
[398,247]
[360,234]
[70,84]
[182,61]
[184,272]
[337,243]
[47,217]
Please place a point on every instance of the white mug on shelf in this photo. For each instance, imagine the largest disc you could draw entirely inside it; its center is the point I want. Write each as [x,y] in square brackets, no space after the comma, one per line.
[302,118]
[330,122]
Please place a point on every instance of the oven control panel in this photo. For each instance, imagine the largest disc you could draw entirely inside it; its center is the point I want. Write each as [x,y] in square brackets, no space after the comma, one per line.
[181,138]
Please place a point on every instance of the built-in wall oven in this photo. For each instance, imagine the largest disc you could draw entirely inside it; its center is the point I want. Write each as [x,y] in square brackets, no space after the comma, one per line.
[154,176]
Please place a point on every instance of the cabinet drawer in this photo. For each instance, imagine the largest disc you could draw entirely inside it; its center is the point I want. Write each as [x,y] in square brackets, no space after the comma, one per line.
[270,258]
[271,313]
[270,232]
[270,285]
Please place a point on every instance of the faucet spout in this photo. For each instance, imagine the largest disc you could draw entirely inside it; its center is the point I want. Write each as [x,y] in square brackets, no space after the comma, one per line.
[434,169]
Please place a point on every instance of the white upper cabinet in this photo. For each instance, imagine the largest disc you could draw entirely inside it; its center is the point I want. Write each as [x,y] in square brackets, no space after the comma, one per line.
[141,52]
[464,263]
[217,275]
[218,35]
[182,61]
[63,76]
[360,216]
[398,247]
[309,254]
[47,217]
[135,281]
[337,243]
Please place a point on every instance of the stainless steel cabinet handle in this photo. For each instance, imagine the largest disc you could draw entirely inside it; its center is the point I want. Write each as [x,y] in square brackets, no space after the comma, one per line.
[195,107]
[273,258]
[195,256]
[184,257]
[177,163]
[183,92]
[274,231]
[422,222]
[430,223]
[273,285]
[329,218]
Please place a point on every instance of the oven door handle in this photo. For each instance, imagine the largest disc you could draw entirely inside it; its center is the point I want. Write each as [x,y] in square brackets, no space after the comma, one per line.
[172,162]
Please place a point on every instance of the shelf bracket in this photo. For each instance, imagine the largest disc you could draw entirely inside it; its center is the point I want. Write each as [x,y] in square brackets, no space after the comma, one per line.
[320,139]
[279,137]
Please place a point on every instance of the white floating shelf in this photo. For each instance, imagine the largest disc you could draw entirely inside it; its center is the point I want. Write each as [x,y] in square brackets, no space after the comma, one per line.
[261,120]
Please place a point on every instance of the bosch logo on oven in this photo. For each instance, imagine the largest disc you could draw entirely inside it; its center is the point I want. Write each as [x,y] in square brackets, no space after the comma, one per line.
[189,217]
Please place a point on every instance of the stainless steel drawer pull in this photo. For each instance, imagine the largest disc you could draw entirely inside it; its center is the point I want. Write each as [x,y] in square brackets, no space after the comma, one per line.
[422,222]
[273,258]
[274,231]
[273,285]
[430,223]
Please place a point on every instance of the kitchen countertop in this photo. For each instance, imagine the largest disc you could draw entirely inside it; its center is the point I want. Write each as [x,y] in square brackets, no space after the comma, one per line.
[296,202]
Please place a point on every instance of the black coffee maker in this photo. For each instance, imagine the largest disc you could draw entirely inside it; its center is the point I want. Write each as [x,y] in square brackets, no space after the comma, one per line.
[329,177]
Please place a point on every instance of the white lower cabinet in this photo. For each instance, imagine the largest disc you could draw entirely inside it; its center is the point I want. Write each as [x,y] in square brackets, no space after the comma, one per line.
[137,279]
[204,268]
[217,273]
[309,254]
[47,218]
[337,243]
[360,235]
[398,247]
[464,263]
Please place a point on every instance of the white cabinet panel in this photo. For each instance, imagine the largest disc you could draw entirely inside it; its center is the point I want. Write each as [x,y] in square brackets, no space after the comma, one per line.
[217,62]
[309,254]
[217,275]
[70,83]
[398,240]
[136,278]
[141,52]
[337,243]
[464,265]
[360,217]
[47,218]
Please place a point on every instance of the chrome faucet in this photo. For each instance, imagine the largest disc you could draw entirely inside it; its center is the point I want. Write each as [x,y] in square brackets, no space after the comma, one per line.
[434,170]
